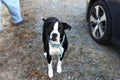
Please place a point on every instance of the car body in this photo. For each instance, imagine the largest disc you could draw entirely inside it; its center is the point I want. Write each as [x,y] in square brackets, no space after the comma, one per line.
[110,10]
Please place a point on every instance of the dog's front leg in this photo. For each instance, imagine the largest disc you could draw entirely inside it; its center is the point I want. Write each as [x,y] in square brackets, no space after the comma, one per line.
[50,69]
[59,66]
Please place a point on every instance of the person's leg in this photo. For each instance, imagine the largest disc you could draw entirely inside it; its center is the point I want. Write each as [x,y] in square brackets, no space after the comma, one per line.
[14,9]
[0,16]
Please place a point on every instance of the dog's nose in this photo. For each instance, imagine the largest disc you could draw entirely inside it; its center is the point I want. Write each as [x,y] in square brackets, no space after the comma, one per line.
[54,35]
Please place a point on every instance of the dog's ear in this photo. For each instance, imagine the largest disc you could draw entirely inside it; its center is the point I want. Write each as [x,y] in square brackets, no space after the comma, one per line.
[66,26]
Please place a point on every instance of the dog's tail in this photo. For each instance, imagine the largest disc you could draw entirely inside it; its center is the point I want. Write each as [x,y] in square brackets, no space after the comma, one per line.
[43,19]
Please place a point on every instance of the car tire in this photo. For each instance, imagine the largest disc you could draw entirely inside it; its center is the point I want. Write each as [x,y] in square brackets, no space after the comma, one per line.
[100,25]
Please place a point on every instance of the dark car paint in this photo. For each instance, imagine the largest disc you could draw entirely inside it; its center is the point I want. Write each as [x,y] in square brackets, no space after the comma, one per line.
[114,7]
[115,13]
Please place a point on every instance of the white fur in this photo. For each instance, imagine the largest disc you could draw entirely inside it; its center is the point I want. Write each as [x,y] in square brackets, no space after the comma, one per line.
[59,66]
[50,70]
[45,54]
[42,18]
[55,30]
[55,51]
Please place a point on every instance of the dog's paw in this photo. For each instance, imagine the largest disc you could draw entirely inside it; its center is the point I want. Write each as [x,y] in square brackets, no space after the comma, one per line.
[45,54]
[50,70]
[59,69]
[50,73]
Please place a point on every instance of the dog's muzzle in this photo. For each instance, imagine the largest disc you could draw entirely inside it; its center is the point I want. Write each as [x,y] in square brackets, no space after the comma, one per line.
[54,37]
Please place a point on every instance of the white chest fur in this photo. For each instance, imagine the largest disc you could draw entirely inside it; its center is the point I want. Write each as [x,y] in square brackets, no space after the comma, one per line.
[55,51]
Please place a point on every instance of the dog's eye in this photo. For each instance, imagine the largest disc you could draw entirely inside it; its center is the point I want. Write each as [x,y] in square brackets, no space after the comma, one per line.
[50,26]
[60,29]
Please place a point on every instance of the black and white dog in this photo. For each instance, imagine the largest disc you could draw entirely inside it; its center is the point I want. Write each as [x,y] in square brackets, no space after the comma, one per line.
[55,41]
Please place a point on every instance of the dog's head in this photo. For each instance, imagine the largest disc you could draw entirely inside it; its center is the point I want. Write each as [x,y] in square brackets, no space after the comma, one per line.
[55,30]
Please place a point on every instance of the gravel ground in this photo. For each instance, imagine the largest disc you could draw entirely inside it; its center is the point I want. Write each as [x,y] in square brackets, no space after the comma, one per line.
[21,48]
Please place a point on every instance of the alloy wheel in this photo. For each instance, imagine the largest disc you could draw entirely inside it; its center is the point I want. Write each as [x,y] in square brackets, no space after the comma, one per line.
[98,22]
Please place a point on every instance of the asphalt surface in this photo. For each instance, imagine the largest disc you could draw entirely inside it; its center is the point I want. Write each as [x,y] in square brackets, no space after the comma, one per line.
[21,47]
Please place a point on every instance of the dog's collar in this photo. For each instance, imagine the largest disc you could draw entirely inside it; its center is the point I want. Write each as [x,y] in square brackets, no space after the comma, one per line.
[58,45]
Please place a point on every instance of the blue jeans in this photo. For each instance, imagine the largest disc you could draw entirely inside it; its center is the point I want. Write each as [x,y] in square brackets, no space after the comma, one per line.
[14,9]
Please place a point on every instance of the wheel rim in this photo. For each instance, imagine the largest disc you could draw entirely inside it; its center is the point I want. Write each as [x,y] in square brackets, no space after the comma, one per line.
[98,22]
